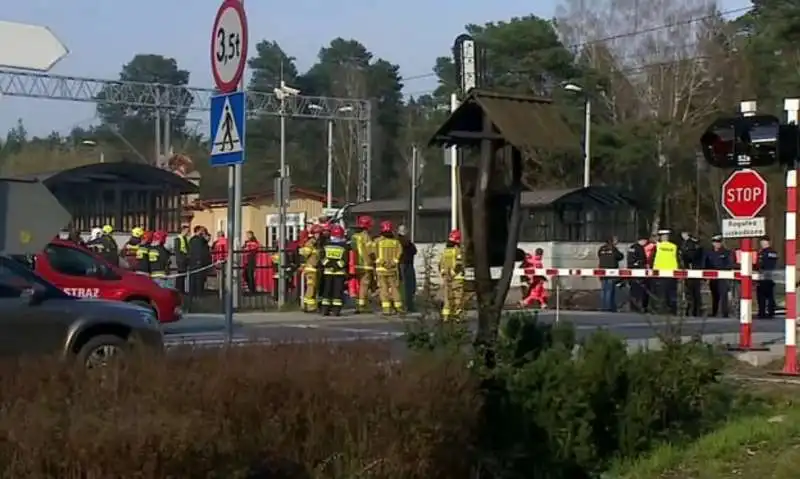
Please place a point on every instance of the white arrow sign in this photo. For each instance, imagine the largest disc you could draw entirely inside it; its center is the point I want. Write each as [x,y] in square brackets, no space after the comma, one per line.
[29,47]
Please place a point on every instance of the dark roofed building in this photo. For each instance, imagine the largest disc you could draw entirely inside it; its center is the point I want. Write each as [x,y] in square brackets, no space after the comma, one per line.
[571,214]
[121,194]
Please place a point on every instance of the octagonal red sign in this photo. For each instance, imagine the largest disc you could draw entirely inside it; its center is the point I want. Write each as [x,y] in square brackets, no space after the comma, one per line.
[744,194]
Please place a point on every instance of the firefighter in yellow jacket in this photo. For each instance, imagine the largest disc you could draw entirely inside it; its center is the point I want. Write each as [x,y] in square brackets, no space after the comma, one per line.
[451,268]
[365,261]
[387,261]
[310,253]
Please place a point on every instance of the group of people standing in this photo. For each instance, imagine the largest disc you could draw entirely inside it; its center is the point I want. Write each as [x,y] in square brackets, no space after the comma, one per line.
[331,260]
[662,254]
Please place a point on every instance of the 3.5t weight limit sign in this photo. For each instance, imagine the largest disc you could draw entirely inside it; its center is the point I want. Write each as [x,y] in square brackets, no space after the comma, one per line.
[229,46]
[744,194]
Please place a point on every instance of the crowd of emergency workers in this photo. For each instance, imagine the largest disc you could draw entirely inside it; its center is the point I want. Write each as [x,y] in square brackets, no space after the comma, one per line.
[333,264]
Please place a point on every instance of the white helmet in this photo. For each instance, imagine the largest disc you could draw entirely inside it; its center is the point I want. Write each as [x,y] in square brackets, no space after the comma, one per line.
[97,232]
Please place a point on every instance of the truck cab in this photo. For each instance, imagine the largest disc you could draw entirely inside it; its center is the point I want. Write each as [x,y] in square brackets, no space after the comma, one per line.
[83,274]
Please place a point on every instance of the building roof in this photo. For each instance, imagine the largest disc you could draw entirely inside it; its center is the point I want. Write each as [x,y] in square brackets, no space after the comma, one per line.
[295,192]
[526,122]
[123,172]
[600,196]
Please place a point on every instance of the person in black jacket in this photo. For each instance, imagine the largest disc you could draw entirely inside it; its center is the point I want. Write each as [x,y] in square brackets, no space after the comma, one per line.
[199,258]
[608,257]
[637,259]
[692,257]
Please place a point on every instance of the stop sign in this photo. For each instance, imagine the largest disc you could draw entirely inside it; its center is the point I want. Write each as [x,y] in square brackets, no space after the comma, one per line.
[744,194]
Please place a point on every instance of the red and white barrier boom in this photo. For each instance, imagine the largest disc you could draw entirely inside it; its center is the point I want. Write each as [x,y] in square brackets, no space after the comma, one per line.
[792,106]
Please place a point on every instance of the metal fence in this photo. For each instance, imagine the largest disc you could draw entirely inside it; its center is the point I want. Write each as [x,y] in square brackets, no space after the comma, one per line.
[256,283]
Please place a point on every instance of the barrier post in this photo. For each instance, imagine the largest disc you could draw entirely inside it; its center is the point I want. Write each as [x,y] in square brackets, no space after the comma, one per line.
[792,107]
[748,108]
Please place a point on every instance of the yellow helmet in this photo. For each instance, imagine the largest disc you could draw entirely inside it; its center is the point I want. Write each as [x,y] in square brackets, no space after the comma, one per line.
[137,232]
[107,229]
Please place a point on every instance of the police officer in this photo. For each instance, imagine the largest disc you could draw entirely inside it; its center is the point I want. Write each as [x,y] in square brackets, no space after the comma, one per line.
[637,259]
[691,256]
[765,288]
[334,271]
[666,259]
[180,248]
[719,258]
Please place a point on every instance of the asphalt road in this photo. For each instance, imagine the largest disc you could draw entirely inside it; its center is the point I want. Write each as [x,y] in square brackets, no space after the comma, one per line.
[209,329]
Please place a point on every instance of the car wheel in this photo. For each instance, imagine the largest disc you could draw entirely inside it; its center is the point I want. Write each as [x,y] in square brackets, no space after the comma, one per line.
[100,350]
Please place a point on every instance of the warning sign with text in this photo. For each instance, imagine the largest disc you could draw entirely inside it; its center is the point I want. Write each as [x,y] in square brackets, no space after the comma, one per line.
[744,228]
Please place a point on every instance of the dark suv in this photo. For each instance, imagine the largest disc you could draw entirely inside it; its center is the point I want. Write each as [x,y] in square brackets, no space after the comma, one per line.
[37,318]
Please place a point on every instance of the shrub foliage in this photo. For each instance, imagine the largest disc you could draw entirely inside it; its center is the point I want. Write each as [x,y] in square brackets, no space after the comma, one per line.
[551,407]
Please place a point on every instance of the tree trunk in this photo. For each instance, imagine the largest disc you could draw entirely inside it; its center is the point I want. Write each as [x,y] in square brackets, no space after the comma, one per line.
[491,298]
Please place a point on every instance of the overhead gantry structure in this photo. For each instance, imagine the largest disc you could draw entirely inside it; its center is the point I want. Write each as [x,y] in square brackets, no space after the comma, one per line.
[163,97]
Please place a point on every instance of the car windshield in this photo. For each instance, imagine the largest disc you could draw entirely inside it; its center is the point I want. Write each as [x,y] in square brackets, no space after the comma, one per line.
[15,275]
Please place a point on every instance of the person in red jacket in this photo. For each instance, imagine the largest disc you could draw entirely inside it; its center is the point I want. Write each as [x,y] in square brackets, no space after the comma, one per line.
[219,249]
[251,248]
[537,291]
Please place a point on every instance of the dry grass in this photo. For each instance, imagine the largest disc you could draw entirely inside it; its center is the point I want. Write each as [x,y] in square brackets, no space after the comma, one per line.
[290,411]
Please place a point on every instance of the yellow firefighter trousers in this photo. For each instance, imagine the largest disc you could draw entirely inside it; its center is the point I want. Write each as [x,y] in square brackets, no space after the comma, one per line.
[310,294]
[364,277]
[453,292]
[389,291]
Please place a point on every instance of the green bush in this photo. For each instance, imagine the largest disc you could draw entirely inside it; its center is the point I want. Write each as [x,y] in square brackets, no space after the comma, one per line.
[556,411]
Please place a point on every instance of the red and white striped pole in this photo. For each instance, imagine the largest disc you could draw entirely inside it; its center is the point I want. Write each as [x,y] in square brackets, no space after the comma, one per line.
[790,356]
[748,108]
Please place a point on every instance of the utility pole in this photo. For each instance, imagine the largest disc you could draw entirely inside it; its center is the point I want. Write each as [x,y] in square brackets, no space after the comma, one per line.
[414,185]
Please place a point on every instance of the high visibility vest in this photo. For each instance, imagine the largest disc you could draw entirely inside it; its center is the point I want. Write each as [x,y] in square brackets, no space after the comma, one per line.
[184,244]
[451,264]
[334,259]
[388,252]
[666,256]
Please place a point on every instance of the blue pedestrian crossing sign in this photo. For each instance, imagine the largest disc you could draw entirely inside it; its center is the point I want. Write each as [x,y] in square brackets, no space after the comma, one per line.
[227,129]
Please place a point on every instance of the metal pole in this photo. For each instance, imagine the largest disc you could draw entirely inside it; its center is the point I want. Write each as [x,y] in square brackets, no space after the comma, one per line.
[157,140]
[454,194]
[282,210]
[587,143]
[414,174]
[236,238]
[330,165]
[234,216]
[167,134]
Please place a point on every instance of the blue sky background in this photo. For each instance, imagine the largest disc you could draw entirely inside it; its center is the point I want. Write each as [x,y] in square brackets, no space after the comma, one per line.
[102,35]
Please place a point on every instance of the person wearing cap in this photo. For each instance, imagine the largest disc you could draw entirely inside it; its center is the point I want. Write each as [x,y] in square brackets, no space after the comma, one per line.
[765,288]
[666,259]
[691,256]
[719,258]
[637,259]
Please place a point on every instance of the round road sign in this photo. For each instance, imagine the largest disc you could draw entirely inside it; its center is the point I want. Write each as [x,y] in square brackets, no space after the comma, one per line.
[229,45]
[744,194]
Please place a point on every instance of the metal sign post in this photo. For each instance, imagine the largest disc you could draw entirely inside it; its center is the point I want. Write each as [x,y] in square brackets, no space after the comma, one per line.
[228,61]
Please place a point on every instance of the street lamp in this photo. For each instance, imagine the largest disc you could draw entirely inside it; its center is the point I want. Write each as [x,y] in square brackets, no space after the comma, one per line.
[587,129]
[329,181]
[282,93]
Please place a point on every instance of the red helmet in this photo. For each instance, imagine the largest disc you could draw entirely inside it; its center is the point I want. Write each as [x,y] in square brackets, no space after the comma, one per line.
[315,229]
[337,231]
[303,236]
[364,222]
[455,236]
[160,237]
[387,227]
[147,237]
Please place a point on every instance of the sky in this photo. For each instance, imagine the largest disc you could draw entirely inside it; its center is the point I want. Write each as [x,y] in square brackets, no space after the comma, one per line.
[102,36]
